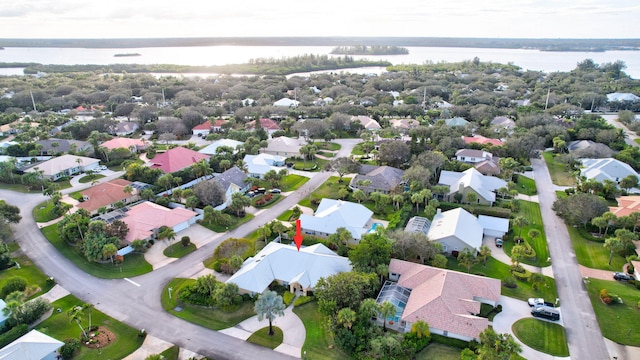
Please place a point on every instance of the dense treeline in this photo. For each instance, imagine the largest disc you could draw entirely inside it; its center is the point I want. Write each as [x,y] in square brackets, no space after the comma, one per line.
[370,50]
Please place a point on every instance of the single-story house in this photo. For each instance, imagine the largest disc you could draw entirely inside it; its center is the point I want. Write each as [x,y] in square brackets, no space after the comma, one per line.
[493,226]
[232,181]
[134,145]
[106,194]
[384,179]
[3,316]
[636,268]
[455,230]
[54,146]
[471,180]
[65,165]
[404,124]
[502,122]
[124,128]
[448,301]
[479,139]
[284,146]
[208,127]
[418,224]
[606,169]
[258,165]
[333,214]
[622,97]
[34,345]
[176,159]
[456,121]
[626,205]
[268,125]
[212,149]
[367,122]
[145,219]
[286,102]
[297,270]
[473,156]
[589,149]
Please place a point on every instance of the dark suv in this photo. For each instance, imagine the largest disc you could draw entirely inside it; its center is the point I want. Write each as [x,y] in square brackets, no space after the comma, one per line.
[622,276]
[545,312]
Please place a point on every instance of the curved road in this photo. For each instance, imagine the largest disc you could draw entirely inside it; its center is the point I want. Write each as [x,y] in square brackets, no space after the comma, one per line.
[138,304]
[583,332]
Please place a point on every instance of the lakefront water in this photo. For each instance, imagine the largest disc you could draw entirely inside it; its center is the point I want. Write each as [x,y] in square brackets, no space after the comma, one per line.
[221,55]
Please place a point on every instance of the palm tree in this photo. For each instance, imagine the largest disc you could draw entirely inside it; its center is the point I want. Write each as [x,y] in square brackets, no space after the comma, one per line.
[277,226]
[264,231]
[466,259]
[368,309]
[347,317]
[167,233]
[201,168]
[75,315]
[417,198]
[536,279]
[109,250]
[421,329]
[269,305]
[517,252]
[386,309]
[359,195]
[87,308]
[397,200]
[485,252]
[614,245]
[520,222]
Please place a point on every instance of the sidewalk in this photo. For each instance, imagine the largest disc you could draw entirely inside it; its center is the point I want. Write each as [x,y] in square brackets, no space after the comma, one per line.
[500,255]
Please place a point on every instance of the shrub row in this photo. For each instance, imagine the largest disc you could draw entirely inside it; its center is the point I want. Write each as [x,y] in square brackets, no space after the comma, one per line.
[11,335]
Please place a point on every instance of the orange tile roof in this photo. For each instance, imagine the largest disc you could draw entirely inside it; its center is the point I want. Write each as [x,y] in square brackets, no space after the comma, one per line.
[120,142]
[481,140]
[266,124]
[204,126]
[144,218]
[104,194]
[445,299]
[176,159]
[626,205]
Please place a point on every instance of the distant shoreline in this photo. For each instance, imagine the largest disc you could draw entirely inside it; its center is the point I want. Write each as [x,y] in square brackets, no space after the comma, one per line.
[587,45]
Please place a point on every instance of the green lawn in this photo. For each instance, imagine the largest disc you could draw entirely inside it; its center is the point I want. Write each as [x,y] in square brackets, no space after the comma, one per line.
[133,265]
[75,195]
[262,337]
[30,272]
[526,186]
[18,187]
[542,335]
[439,352]
[559,174]
[498,270]
[211,318]
[316,164]
[285,215]
[593,254]
[326,154]
[292,182]
[531,211]
[44,212]
[89,178]
[58,326]
[327,190]
[177,250]
[618,322]
[318,343]
[171,353]
[236,222]
[637,141]
[274,200]
[357,150]
[331,146]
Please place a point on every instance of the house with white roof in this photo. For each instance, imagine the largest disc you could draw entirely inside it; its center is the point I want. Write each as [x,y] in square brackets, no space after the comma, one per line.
[493,226]
[284,146]
[65,165]
[286,102]
[606,169]
[622,97]
[471,180]
[333,214]
[34,345]
[284,264]
[456,230]
[448,301]
[212,149]
[258,165]
[456,121]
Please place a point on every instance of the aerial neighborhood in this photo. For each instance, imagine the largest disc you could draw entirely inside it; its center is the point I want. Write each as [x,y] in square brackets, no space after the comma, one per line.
[455,211]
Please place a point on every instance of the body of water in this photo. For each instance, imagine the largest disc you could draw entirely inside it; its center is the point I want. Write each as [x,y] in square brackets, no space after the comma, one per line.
[222,55]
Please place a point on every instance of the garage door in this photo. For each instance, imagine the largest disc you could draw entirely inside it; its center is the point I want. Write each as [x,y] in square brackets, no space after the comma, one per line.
[181,226]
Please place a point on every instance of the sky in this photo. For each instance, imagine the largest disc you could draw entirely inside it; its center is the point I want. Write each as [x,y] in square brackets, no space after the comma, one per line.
[248,18]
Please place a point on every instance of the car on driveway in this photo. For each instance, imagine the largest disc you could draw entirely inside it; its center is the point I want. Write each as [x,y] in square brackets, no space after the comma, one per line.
[534,302]
[275,191]
[498,242]
[545,312]
[620,276]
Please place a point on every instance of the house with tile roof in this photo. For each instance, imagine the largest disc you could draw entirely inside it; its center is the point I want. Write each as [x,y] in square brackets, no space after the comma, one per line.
[176,159]
[208,127]
[145,220]
[404,124]
[55,146]
[65,165]
[124,128]
[333,214]
[134,145]
[366,121]
[284,146]
[106,194]
[479,139]
[471,180]
[212,149]
[589,149]
[384,179]
[258,165]
[448,301]
[268,125]
[232,181]
[299,271]
[626,205]
[502,123]
[607,169]
[482,160]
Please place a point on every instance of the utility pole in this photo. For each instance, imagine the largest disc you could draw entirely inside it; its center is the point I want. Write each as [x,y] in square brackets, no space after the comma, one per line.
[546,103]
[33,101]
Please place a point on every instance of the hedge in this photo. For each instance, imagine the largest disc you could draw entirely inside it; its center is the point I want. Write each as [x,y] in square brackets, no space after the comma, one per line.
[457,343]
[11,335]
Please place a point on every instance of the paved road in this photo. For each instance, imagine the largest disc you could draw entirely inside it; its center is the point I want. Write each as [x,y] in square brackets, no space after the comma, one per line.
[583,333]
[138,304]
[631,136]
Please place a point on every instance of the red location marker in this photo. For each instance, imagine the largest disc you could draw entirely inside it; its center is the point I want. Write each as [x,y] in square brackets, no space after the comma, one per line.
[298,237]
